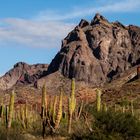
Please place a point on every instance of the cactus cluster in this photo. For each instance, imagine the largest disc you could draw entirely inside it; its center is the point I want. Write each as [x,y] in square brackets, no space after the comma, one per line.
[51,112]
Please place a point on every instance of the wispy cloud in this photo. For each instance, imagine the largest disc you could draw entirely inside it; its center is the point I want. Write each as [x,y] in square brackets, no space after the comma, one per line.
[33,33]
[48,27]
[110,6]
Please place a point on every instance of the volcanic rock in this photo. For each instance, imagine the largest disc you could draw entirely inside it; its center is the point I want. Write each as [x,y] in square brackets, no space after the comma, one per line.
[98,52]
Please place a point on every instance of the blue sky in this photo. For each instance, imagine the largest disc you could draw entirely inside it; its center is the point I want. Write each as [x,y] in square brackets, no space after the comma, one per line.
[32,30]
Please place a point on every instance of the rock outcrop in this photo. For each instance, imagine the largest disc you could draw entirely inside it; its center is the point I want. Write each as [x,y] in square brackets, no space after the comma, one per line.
[98,52]
[22,73]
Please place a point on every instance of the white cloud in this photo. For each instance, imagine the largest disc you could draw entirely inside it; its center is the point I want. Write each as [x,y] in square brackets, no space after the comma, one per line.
[109,6]
[33,33]
[48,28]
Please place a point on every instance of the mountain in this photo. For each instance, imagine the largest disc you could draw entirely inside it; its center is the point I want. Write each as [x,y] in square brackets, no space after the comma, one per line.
[22,73]
[94,53]
[97,52]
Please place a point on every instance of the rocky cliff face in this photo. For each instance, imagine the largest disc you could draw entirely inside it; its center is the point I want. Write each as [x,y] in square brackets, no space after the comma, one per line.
[98,51]
[22,73]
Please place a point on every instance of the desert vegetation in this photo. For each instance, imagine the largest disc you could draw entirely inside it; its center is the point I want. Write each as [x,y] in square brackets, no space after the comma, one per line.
[65,117]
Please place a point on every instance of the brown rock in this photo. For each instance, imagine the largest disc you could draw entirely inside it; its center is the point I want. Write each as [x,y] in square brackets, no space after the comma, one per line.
[98,52]
[22,73]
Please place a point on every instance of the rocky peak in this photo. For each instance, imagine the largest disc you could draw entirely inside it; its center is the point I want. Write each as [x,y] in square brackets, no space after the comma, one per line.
[98,53]
[119,24]
[83,23]
[75,35]
[22,66]
[98,19]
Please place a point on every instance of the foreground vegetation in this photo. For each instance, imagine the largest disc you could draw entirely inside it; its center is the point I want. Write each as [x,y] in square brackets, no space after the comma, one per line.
[65,117]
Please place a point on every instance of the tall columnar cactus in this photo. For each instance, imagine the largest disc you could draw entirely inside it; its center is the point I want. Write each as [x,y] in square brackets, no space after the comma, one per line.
[22,113]
[123,109]
[26,110]
[104,107]
[26,114]
[98,99]
[59,111]
[132,108]
[54,109]
[43,109]
[44,102]
[11,109]
[50,108]
[72,104]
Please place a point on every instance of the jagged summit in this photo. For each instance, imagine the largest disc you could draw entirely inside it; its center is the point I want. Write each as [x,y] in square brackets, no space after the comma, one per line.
[83,23]
[21,64]
[98,19]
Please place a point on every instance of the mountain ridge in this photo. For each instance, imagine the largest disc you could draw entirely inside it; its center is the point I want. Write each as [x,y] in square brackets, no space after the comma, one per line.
[22,73]
[95,53]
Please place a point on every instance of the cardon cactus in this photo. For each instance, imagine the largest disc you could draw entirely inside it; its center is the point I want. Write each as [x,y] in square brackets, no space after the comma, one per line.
[104,107]
[72,104]
[132,108]
[98,99]
[22,113]
[54,109]
[59,112]
[43,109]
[26,110]
[11,109]
[44,102]
[50,108]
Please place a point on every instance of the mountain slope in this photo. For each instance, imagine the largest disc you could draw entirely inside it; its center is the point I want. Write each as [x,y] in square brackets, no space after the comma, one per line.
[22,73]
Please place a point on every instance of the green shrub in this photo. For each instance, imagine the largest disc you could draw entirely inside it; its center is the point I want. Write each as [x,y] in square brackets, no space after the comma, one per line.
[111,125]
